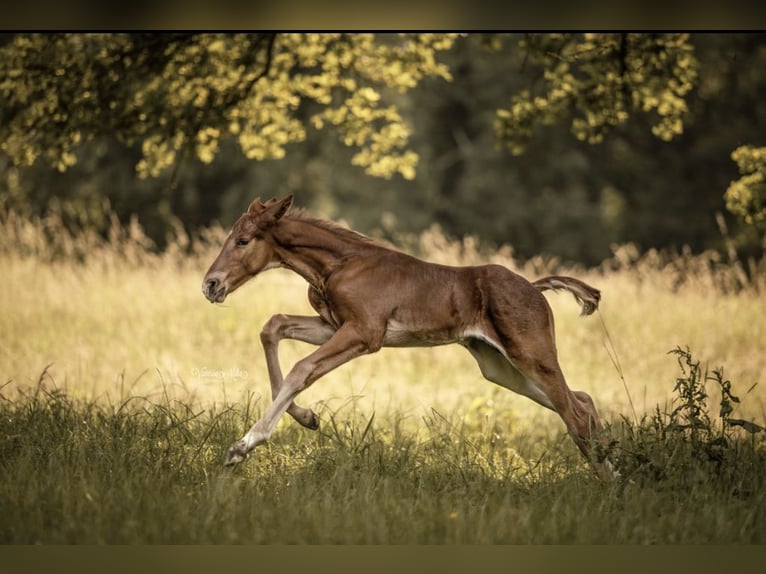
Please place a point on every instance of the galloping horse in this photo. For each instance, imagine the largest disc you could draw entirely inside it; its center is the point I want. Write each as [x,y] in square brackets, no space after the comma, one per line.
[368,296]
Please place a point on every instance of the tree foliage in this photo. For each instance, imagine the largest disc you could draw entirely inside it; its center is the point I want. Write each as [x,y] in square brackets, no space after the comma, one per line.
[595,81]
[747,195]
[614,138]
[185,93]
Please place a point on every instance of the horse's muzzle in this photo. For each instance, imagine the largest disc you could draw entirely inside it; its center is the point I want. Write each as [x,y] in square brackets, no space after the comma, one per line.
[214,290]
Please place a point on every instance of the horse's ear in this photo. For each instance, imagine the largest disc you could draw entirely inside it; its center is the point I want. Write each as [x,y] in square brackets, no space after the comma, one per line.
[256,206]
[284,206]
[275,209]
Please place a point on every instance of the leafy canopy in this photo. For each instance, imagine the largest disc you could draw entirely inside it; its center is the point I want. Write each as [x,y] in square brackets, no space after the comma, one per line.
[184,93]
[176,93]
[597,81]
[746,196]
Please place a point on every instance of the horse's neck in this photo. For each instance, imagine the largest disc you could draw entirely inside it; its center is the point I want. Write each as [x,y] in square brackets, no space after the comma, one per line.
[311,250]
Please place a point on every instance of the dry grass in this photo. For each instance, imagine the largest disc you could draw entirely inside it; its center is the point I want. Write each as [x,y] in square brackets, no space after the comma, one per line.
[114,319]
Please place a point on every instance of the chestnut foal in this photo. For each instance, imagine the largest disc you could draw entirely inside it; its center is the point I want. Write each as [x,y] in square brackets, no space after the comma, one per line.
[367,296]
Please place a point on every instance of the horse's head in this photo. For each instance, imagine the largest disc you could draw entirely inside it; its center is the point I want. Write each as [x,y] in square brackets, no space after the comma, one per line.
[247,250]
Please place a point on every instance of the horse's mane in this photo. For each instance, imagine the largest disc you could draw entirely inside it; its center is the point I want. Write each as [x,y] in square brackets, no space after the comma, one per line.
[300,214]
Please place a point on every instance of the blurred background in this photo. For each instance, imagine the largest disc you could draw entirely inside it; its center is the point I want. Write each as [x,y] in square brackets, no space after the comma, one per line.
[556,144]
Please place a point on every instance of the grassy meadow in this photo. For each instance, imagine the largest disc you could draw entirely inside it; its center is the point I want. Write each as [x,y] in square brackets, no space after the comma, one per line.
[121,388]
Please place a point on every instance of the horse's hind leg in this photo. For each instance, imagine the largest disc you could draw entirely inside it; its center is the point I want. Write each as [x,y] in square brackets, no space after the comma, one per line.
[576,408]
[313,330]
[525,333]
[496,367]
[544,383]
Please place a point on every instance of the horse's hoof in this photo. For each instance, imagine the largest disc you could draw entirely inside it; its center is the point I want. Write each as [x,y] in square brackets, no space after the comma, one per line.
[313,424]
[235,454]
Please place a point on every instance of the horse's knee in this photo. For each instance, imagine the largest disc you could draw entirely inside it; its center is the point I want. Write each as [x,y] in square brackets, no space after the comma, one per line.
[271,332]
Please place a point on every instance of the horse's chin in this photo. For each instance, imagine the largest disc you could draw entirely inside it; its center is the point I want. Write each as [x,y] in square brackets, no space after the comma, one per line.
[218,298]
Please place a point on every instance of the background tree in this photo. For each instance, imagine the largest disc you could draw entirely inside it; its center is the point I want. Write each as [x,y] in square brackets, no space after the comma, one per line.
[613,138]
[746,196]
[183,96]
[186,92]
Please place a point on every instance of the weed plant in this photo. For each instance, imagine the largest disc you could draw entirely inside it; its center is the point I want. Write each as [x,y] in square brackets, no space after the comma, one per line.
[689,446]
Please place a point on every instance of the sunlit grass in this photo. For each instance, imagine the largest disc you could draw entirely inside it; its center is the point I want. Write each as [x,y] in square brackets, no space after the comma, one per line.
[140,471]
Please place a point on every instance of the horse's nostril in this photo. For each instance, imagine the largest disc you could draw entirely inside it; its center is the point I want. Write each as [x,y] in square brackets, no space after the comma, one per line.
[210,287]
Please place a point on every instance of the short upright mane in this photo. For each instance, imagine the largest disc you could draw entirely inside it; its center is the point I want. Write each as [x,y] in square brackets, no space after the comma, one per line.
[301,215]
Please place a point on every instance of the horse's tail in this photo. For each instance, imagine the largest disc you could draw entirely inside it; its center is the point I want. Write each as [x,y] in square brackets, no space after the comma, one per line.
[587,296]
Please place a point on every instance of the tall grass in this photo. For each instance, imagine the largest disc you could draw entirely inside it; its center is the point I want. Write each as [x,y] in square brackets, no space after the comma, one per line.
[139,471]
[121,388]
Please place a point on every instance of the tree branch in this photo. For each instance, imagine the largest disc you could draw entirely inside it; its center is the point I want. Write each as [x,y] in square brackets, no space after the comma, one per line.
[234,97]
[231,99]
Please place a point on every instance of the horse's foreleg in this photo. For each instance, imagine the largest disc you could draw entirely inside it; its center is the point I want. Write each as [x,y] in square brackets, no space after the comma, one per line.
[313,330]
[344,345]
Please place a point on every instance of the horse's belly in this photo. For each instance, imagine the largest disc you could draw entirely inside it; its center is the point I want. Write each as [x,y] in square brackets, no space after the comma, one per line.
[399,334]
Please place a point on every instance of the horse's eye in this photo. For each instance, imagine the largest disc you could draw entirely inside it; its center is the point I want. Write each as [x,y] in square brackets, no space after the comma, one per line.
[242,242]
